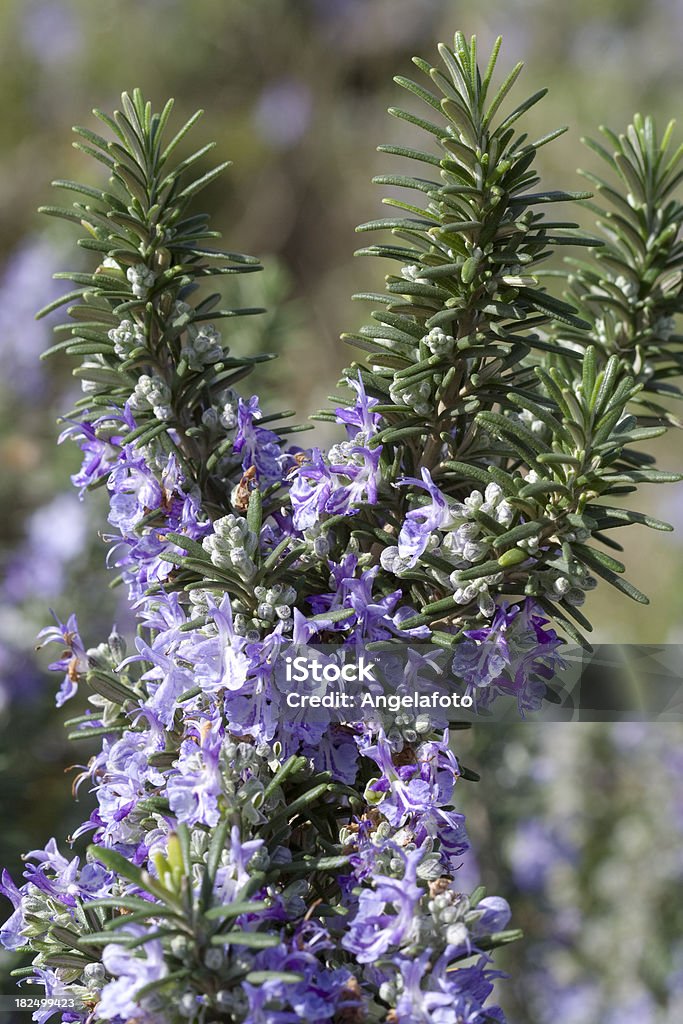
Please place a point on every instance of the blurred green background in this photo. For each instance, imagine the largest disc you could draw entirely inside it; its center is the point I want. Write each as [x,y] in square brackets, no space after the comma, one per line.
[295,93]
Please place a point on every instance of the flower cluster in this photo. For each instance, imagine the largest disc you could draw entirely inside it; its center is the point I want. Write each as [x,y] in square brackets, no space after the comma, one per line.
[249,865]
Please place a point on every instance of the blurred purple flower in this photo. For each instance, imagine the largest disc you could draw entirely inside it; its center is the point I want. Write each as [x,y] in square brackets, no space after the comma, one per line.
[640,1009]
[51,31]
[534,850]
[283,112]
[56,534]
[23,289]
[571,1004]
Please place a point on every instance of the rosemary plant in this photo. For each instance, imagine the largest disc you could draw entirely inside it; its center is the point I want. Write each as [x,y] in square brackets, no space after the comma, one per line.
[248,865]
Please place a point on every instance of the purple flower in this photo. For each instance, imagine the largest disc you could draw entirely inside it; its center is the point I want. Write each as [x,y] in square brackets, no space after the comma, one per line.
[10,933]
[132,969]
[439,765]
[448,996]
[194,789]
[258,446]
[221,662]
[376,618]
[65,880]
[98,456]
[481,659]
[494,916]
[122,774]
[320,486]
[362,470]
[135,490]
[358,418]
[240,855]
[163,617]
[322,994]
[173,681]
[386,914]
[514,655]
[335,752]
[55,989]
[260,1012]
[74,661]
[534,659]
[415,1005]
[311,490]
[416,796]
[421,522]
[405,791]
